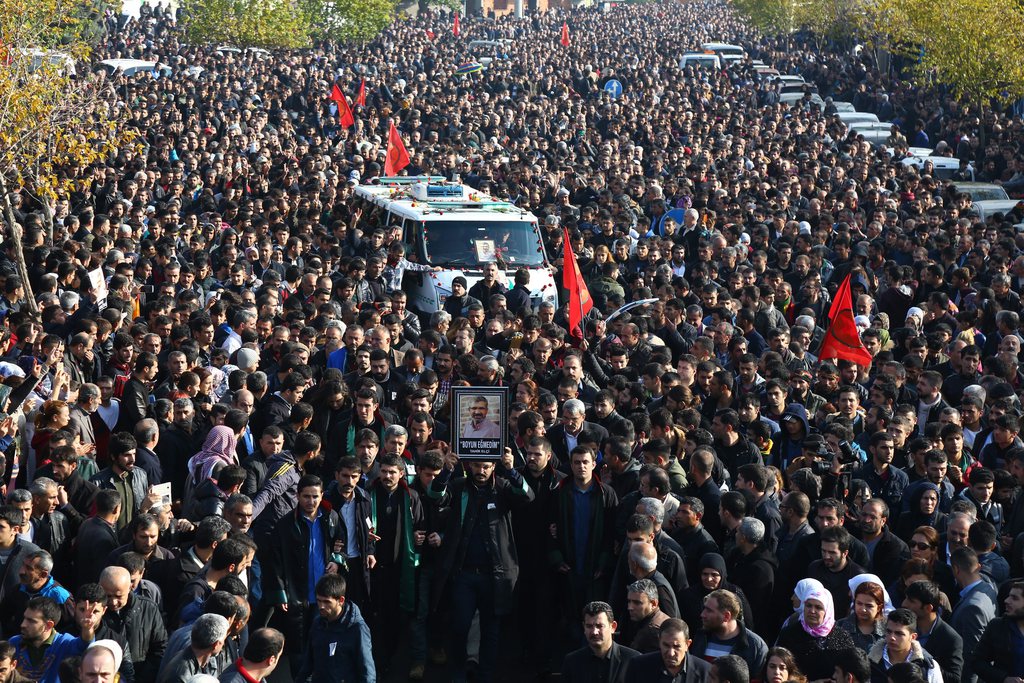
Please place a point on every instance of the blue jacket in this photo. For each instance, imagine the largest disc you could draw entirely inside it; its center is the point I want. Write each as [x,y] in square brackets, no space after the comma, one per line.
[63,646]
[338,651]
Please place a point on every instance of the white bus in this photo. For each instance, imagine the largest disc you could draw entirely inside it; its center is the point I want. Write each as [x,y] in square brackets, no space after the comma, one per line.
[453,226]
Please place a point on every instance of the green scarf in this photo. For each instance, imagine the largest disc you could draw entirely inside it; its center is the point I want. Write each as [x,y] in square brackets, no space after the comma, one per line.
[408,559]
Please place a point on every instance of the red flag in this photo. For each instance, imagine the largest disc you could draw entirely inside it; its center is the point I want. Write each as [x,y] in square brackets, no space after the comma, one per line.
[455,27]
[842,339]
[580,301]
[565,34]
[361,98]
[345,117]
[430,34]
[397,157]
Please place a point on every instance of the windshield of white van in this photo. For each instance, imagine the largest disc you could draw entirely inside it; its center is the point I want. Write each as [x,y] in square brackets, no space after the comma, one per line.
[515,243]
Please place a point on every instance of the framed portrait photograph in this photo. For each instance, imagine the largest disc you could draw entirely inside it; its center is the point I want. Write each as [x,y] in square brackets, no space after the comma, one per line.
[481,417]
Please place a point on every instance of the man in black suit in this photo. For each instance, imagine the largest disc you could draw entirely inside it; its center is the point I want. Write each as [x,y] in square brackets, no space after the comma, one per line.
[602,659]
[671,662]
[565,436]
[936,636]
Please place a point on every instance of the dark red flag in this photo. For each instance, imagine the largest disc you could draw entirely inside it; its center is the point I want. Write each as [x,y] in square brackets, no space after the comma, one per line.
[361,98]
[580,301]
[842,339]
[397,157]
[345,117]
[565,34]
[455,26]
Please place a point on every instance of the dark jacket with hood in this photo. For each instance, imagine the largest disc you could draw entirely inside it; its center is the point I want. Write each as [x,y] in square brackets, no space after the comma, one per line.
[338,651]
[912,516]
[691,602]
[785,448]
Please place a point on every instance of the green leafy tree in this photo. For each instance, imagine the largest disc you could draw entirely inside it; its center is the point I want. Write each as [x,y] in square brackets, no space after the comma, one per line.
[348,20]
[973,47]
[247,23]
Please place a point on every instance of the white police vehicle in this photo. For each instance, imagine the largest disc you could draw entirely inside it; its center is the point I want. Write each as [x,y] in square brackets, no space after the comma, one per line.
[460,229]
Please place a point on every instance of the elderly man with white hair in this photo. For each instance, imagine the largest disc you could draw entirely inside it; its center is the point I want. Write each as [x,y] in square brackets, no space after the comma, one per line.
[565,436]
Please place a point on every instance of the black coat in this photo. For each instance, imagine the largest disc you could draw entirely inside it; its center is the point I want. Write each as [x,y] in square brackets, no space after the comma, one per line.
[577,664]
[286,575]
[890,554]
[9,580]
[95,539]
[134,404]
[141,624]
[363,512]
[81,493]
[506,492]
[947,649]
[994,658]
[695,545]
[650,668]
[755,574]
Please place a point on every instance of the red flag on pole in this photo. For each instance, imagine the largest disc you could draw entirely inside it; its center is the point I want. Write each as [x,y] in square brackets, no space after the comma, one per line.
[842,339]
[565,34]
[345,117]
[397,157]
[455,27]
[361,98]
[580,301]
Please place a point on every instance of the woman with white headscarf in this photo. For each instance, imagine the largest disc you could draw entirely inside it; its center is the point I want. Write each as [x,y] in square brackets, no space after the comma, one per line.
[866,621]
[813,637]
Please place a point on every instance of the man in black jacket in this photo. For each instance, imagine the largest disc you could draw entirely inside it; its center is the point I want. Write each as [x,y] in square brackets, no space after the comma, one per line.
[671,659]
[75,493]
[96,537]
[692,537]
[137,620]
[602,659]
[352,503]
[482,574]
[888,552]
[937,637]
[303,551]
[530,526]
[135,393]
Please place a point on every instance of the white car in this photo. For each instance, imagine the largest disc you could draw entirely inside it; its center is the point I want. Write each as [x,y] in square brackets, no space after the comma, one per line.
[856,117]
[791,98]
[61,60]
[982,192]
[943,168]
[130,67]
[986,208]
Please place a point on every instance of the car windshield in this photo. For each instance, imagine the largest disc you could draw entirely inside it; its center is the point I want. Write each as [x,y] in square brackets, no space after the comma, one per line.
[464,242]
[983,194]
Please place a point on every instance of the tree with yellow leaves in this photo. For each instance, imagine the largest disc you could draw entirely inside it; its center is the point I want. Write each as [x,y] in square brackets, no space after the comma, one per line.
[52,123]
[973,47]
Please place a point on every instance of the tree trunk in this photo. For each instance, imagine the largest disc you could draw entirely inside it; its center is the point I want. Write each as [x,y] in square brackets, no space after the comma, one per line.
[19,253]
[48,221]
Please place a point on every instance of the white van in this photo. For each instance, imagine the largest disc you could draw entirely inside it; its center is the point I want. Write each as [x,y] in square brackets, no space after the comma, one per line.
[460,229]
[703,60]
[61,61]
[724,49]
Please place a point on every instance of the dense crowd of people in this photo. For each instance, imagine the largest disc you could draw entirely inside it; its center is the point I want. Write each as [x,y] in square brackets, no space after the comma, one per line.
[236,454]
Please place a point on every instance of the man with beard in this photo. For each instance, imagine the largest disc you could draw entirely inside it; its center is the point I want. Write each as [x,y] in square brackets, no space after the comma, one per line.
[274,499]
[602,659]
[366,414]
[483,575]
[645,616]
[352,503]
[396,526]
[74,493]
[39,649]
[530,526]
[1000,652]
